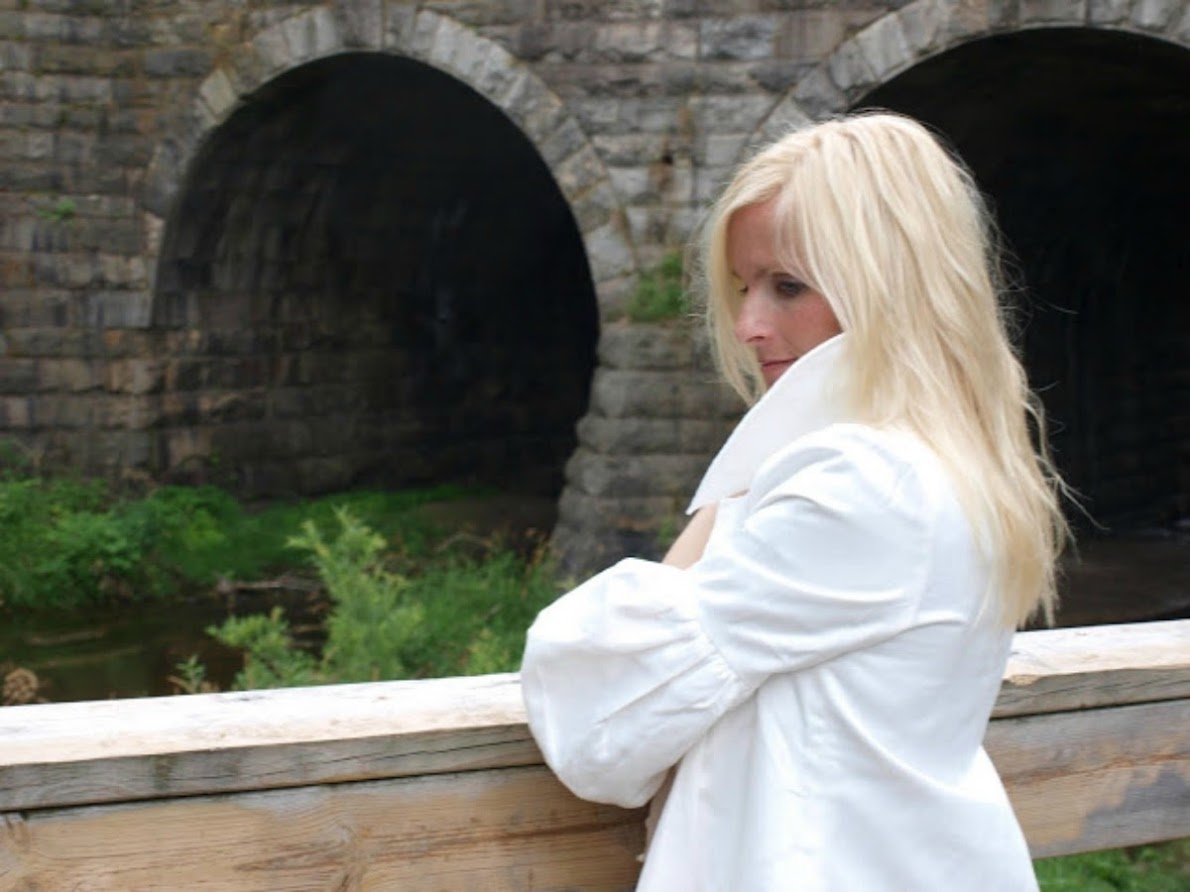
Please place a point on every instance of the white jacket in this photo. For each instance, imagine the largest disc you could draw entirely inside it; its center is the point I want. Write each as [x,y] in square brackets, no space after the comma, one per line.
[822,678]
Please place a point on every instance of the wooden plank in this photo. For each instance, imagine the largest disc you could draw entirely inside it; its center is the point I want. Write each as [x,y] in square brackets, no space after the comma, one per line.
[1097,779]
[56,755]
[515,829]
[123,750]
[1055,670]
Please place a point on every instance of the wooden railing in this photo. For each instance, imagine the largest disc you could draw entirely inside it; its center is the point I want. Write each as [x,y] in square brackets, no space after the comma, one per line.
[437,785]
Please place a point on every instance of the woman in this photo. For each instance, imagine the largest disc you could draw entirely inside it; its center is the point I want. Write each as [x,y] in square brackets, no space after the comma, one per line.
[819,652]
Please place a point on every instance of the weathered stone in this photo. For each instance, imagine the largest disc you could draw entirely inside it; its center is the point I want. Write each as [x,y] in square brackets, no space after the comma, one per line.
[608,252]
[645,475]
[647,436]
[885,47]
[177,62]
[745,38]
[1033,12]
[621,394]
[136,376]
[1108,12]
[18,376]
[70,375]
[1155,15]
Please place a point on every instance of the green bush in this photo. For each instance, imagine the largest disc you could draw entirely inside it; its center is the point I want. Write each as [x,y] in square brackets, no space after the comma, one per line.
[68,543]
[402,612]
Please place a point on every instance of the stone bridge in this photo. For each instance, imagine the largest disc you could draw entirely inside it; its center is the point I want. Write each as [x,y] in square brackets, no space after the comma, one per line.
[298,246]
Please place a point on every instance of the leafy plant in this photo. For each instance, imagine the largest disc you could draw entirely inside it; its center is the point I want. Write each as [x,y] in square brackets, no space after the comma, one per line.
[402,612]
[61,211]
[271,660]
[659,293]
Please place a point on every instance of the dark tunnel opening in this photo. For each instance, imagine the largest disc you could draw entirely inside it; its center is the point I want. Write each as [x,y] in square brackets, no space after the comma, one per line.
[1080,138]
[371,278]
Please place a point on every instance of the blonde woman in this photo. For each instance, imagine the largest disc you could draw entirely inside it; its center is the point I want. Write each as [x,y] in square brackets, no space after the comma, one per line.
[818,654]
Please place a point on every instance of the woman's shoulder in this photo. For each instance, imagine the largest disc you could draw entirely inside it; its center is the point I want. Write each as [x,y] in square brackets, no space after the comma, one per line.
[882,457]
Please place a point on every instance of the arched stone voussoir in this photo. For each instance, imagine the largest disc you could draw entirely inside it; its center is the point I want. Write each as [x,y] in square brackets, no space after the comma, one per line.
[904,37]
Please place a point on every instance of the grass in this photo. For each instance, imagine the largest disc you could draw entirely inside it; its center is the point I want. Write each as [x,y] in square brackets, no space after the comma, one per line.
[1155,868]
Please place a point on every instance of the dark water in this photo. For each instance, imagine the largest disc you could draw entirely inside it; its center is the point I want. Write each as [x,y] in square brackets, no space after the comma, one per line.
[132,650]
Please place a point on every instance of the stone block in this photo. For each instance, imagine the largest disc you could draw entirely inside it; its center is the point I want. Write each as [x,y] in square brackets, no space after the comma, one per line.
[636,476]
[1156,15]
[579,172]
[60,410]
[219,94]
[647,436]
[135,376]
[567,140]
[177,62]
[1108,12]
[818,96]
[128,412]
[740,38]
[885,47]
[68,375]
[400,23]
[639,41]
[595,207]
[728,114]
[660,394]
[609,253]
[1052,12]
[632,184]
[17,376]
[526,99]
[116,309]
[646,347]
[850,70]
[16,413]
[360,22]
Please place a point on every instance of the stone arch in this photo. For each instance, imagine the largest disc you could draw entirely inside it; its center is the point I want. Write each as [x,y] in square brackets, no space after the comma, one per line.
[907,36]
[255,409]
[442,43]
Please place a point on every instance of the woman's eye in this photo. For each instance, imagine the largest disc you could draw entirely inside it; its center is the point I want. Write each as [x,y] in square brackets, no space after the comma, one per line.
[790,287]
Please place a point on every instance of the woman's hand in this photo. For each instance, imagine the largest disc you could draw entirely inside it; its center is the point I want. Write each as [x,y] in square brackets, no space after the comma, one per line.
[689,545]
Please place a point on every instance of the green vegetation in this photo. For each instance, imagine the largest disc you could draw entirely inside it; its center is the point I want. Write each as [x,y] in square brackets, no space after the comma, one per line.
[71,543]
[400,612]
[61,211]
[1158,868]
[659,293]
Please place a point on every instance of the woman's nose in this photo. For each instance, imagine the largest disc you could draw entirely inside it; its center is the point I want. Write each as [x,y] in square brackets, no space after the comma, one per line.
[750,322]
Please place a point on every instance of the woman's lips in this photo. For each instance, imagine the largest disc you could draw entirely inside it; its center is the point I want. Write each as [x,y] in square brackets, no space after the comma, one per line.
[772,369]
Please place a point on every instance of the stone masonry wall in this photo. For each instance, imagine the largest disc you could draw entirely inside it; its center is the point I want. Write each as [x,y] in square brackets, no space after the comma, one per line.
[638,108]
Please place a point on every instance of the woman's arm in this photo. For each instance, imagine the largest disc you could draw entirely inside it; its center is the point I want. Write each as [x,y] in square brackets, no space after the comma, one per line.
[691,542]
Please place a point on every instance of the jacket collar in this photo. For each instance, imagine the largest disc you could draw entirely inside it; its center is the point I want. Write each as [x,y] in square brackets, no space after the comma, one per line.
[804,399]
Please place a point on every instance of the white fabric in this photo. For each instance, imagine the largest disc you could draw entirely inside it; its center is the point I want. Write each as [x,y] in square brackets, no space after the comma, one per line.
[822,678]
[800,401]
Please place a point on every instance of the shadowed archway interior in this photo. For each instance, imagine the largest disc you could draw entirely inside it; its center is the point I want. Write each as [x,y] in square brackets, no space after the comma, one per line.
[374,279]
[1081,139]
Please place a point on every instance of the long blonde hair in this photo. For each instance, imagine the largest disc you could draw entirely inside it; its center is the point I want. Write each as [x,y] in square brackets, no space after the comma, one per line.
[876,215]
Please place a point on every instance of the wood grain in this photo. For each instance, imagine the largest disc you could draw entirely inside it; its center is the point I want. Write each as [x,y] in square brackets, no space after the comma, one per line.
[511,829]
[1097,779]
[437,784]
[1056,670]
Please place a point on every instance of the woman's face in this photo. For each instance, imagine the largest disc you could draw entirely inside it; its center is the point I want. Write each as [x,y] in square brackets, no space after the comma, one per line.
[779,318]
